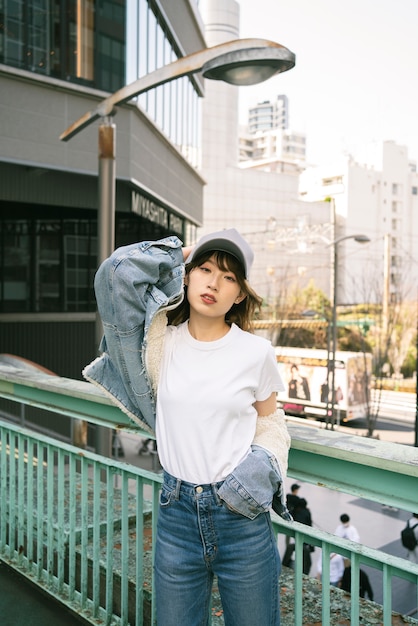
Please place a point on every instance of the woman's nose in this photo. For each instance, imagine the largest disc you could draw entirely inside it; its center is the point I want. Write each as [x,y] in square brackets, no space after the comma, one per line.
[213,284]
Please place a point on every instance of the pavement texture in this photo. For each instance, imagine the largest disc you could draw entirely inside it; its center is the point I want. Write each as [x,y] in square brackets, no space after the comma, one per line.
[23,604]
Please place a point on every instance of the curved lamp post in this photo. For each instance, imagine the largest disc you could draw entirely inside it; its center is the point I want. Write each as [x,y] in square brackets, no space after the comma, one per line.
[238,62]
[334,244]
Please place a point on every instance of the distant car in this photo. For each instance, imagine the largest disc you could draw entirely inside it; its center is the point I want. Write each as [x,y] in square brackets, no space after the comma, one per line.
[294,409]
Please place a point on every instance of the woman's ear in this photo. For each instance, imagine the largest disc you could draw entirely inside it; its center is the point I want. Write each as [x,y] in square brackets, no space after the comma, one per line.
[186,280]
[240,298]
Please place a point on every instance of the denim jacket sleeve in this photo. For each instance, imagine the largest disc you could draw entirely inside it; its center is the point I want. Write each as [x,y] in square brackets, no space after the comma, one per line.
[256,484]
[131,285]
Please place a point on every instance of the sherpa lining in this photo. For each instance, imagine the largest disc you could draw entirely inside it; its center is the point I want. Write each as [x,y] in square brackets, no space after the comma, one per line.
[155,346]
[271,434]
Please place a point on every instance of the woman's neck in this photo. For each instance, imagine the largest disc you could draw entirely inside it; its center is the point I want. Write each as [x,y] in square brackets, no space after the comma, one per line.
[207,330]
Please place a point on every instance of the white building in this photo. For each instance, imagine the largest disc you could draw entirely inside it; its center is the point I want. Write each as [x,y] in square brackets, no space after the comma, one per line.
[275,150]
[267,143]
[375,194]
[288,223]
[262,203]
[269,115]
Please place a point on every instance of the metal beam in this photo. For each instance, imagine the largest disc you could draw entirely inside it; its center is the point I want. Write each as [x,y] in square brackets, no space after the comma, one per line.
[364,467]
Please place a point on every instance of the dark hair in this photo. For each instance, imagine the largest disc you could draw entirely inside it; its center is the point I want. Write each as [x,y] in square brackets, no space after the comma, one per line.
[241,314]
[344,518]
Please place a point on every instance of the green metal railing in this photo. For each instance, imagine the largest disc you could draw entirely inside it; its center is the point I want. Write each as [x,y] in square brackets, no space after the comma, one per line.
[80,525]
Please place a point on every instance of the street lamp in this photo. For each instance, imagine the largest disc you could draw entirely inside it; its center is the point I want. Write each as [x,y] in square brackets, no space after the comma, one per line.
[238,62]
[333,349]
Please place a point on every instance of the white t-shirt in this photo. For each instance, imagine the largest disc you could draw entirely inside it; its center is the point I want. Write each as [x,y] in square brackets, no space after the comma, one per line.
[347,532]
[205,415]
[336,567]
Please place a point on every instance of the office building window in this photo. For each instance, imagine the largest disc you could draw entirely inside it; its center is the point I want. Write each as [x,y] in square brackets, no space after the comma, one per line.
[174,106]
[85,41]
[81,41]
[48,264]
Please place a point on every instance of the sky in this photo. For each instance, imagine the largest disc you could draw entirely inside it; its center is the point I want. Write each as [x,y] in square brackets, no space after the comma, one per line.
[356,75]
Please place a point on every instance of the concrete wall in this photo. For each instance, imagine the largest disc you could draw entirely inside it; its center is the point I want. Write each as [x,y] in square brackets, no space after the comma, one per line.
[34,111]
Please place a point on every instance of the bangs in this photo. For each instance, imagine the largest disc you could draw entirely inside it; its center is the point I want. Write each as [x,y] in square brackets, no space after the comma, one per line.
[225,261]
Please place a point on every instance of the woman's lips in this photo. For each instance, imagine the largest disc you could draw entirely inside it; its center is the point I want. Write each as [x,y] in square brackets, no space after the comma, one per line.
[208,298]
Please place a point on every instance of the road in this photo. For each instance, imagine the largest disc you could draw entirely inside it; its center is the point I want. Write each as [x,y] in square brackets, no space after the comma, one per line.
[395,422]
[397,405]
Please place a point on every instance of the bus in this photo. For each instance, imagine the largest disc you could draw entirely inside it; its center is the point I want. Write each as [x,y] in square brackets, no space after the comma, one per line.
[307,379]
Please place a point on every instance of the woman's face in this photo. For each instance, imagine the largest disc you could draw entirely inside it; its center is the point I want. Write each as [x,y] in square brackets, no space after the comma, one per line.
[212,291]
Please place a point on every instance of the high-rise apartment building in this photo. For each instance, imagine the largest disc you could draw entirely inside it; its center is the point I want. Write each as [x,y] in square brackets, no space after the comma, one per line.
[262,202]
[267,143]
[275,150]
[269,115]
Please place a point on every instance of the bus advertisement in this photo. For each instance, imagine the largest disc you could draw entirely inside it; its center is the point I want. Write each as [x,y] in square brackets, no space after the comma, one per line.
[308,382]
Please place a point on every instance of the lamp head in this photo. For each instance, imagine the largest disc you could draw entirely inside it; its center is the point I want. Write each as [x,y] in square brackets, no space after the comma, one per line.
[361,239]
[250,66]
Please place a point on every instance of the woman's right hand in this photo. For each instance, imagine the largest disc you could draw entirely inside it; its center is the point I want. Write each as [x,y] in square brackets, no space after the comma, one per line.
[186,251]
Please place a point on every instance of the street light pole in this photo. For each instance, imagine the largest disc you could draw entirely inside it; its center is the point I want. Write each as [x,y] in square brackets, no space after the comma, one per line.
[335,244]
[239,62]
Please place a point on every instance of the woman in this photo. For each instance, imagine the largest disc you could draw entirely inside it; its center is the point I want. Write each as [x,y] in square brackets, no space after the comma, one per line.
[222,443]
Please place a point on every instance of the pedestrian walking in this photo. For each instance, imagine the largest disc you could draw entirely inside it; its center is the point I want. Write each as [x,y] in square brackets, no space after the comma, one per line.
[178,357]
[292,498]
[336,568]
[365,588]
[409,538]
[346,530]
[303,515]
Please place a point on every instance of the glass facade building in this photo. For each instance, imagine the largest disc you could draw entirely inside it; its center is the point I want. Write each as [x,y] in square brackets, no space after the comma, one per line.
[86,42]
[76,40]
[58,59]
[48,256]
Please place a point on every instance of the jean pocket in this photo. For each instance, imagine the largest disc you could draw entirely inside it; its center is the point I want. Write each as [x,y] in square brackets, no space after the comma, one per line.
[166,496]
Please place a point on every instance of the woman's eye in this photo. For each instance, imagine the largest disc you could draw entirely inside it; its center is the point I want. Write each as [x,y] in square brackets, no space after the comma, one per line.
[231,278]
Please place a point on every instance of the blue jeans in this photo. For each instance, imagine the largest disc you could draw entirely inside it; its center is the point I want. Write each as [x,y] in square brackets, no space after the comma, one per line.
[199,537]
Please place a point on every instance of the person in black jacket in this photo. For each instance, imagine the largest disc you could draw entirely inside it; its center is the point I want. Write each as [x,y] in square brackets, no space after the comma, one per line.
[292,498]
[300,514]
[364,586]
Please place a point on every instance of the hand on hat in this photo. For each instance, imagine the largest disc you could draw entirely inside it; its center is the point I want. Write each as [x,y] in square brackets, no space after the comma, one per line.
[186,251]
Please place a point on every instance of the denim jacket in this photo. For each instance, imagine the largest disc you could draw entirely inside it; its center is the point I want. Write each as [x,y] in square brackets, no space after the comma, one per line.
[134,284]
